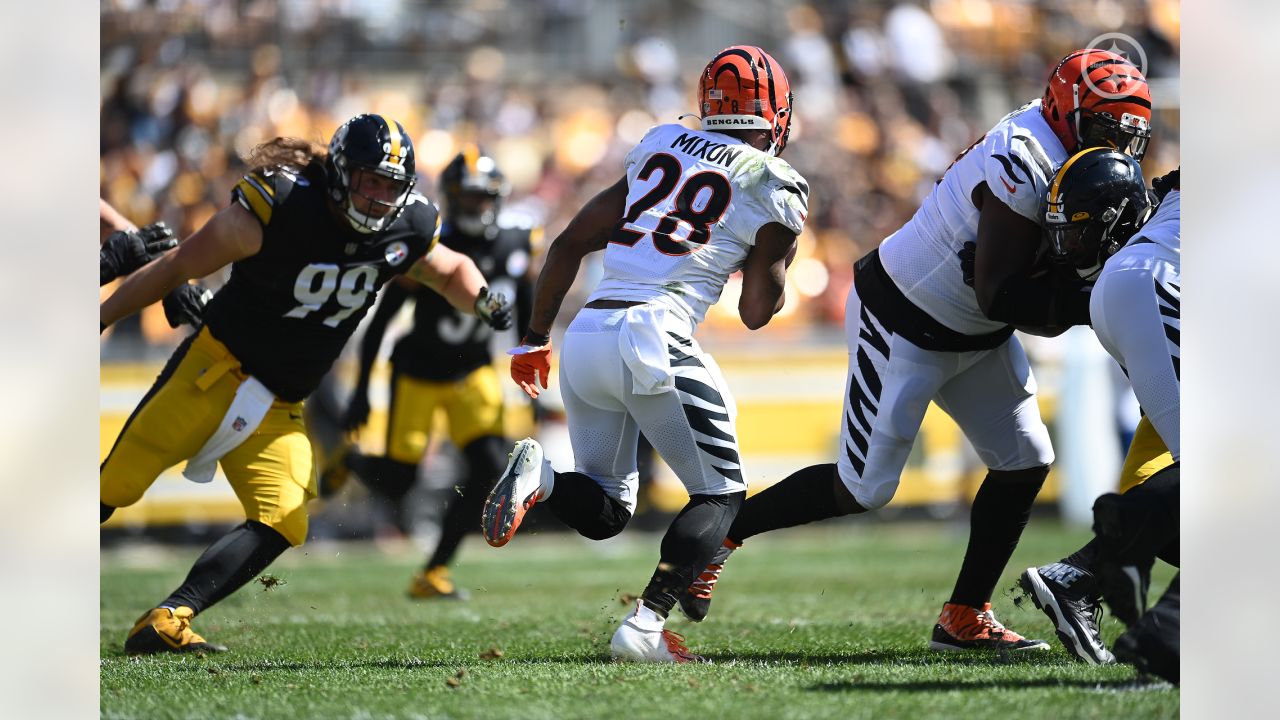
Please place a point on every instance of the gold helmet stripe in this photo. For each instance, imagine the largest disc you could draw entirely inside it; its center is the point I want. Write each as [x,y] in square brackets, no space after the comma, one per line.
[470,154]
[1062,171]
[393,131]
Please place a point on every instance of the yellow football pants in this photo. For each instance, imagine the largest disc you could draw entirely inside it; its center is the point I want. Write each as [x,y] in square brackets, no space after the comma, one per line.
[271,472]
[1147,456]
[472,405]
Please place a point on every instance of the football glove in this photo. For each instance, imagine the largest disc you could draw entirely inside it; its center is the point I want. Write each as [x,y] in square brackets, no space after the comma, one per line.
[184,305]
[494,309]
[1164,184]
[127,250]
[528,363]
[968,256]
[357,413]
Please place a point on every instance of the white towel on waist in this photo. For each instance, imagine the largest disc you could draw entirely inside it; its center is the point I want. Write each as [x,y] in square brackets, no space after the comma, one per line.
[643,345]
[250,405]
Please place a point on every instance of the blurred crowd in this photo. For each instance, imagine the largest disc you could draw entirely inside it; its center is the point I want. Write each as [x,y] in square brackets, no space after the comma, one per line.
[558,90]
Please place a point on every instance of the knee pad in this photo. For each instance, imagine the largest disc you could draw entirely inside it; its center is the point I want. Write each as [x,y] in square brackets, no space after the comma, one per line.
[608,524]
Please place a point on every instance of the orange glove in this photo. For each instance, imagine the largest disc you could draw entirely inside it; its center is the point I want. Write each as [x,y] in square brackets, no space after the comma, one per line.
[528,362]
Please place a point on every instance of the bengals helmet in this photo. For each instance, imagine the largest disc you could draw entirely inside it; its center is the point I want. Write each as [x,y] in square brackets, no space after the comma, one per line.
[473,188]
[1097,98]
[1096,202]
[377,144]
[744,88]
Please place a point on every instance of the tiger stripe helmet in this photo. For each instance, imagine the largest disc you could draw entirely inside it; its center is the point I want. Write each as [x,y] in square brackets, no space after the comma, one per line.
[743,87]
[1096,98]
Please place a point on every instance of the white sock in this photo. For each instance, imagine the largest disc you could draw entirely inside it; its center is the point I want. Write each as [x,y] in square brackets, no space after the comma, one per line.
[647,619]
[548,481]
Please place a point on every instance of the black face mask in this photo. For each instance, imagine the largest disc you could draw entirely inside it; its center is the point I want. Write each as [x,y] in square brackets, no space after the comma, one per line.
[1104,131]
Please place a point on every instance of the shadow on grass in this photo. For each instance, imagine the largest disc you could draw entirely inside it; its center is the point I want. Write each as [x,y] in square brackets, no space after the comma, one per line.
[919,657]
[224,662]
[924,686]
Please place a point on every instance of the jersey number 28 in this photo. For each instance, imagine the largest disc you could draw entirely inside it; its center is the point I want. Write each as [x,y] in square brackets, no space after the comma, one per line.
[699,219]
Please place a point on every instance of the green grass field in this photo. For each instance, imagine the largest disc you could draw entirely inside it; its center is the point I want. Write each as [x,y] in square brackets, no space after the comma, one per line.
[829,622]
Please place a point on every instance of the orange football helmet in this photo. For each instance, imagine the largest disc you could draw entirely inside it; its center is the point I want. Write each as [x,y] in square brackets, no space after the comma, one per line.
[1096,98]
[743,87]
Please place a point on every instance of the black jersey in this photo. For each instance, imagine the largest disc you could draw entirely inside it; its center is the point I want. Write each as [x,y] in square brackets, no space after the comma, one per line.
[447,344]
[287,311]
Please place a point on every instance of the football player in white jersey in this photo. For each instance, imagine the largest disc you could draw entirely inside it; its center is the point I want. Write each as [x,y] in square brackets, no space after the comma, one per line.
[920,329]
[1095,204]
[694,207]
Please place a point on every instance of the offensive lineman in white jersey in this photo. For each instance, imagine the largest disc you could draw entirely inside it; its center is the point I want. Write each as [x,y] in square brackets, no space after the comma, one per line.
[693,208]
[920,329]
[1095,203]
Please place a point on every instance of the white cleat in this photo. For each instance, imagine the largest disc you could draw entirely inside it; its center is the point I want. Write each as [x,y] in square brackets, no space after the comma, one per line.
[527,479]
[638,641]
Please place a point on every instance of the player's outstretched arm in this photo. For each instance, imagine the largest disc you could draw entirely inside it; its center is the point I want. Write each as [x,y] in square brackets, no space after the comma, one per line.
[232,234]
[587,232]
[764,275]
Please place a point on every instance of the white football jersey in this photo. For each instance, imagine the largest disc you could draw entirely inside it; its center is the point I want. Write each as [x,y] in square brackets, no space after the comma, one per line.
[695,201]
[1016,159]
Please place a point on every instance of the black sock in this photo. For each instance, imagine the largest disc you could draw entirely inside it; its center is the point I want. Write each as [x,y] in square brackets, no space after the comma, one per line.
[999,513]
[582,504]
[227,565]
[389,478]
[688,546]
[1142,523]
[1086,558]
[805,496]
[104,512]
[486,457]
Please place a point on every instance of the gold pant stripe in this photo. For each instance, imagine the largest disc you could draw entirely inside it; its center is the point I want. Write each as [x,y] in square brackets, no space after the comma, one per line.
[1147,456]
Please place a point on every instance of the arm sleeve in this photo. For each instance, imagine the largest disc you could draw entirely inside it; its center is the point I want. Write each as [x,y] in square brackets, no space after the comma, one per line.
[393,296]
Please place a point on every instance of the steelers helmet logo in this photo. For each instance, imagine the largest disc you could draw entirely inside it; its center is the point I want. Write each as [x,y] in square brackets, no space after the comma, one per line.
[397,252]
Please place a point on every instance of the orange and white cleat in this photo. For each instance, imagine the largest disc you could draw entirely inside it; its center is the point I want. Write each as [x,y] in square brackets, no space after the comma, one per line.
[527,479]
[643,639]
[695,602]
[964,627]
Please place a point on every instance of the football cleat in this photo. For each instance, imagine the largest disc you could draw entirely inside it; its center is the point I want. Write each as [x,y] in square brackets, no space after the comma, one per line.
[633,642]
[435,583]
[336,473]
[695,602]
[167,630]
[523,484]
[963,627]
[1124,588]
[1067,594]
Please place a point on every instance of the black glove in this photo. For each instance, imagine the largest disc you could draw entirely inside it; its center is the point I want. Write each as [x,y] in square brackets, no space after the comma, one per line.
[357,413]
[184,305]
[494,309]
[968,256]
[127,250]
[1164,184]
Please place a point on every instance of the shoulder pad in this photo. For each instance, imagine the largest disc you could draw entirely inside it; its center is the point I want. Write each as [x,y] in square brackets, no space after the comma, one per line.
[261,191]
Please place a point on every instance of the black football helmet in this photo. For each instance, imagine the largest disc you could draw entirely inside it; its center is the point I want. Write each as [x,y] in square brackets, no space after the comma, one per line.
[376,144]
[473,188]
[1096,202]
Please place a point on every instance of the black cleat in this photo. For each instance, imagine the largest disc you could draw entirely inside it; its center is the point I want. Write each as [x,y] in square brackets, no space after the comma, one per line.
[1067,594]
[695,602]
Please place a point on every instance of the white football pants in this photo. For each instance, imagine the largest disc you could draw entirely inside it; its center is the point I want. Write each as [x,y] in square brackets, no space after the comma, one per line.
[989,393]
[633,370]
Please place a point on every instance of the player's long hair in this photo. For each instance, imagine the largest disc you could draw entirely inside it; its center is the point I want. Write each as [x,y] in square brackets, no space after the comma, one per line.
[304,156]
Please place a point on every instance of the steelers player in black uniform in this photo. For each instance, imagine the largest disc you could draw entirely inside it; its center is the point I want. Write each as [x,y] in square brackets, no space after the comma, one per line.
[311,235]
[444,363]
